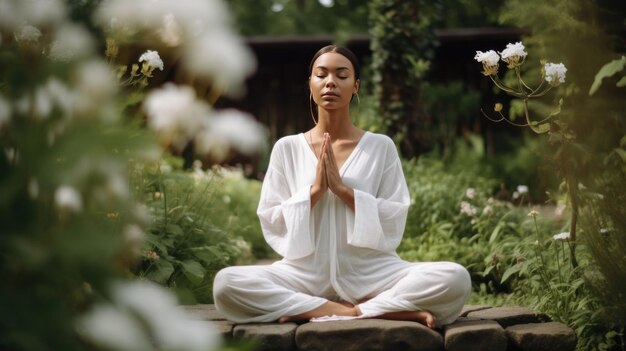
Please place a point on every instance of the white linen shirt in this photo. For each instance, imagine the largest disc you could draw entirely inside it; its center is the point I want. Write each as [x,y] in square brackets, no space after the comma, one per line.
[344,253]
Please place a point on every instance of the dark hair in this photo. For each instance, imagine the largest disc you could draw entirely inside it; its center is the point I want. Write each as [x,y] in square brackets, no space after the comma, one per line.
[342,51]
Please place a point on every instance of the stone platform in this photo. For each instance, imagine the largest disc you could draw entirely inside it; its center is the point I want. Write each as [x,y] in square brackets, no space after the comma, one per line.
[480,328]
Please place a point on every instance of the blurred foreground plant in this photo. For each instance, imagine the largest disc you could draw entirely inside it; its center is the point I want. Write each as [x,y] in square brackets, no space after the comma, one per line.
[71,229]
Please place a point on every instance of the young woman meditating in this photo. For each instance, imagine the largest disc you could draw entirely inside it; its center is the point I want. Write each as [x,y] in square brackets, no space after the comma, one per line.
[334,204]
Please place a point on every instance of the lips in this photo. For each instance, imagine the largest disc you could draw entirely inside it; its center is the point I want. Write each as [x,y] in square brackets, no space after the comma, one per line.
[330,93]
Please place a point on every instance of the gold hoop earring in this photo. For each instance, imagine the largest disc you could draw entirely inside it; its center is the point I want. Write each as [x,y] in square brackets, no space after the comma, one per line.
[311,108]
[358,101]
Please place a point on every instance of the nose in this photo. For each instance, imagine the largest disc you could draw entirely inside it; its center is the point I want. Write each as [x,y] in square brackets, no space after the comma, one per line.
[331,81]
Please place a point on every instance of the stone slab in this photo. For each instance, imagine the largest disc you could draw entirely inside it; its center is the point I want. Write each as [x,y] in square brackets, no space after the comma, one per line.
[224,328]
[268,336]
[367,335]
[508,316]
[472,308]
[551,336]
[206,312]
[474,335]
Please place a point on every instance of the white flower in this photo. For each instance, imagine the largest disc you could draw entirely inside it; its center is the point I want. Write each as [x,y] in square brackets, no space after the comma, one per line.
[516,195]
[489,60]
[514,54]
[470,193]
[5,111]
[38,13]
[171,32]
[327,3]
[555,73]
[68,198]
[175,113]
[467,208]
[222,57]
[28,33]
[94,83]
[71,42]
[522,189]
[240,129]
[113,328]
[171,327]
[152,59]
[561,236]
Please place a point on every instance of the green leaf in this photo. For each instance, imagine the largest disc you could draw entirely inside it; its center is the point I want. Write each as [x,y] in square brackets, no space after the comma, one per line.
[510,271]
[161,271]
[174,229]
[621,83]
[193,271]
[608,70]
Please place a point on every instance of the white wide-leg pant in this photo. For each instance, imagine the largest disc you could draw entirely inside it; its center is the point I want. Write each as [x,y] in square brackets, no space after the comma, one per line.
[246,294]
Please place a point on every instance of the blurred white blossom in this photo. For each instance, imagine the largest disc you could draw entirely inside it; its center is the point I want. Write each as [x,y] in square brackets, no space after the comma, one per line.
[514,54]
[38,13]
[94,82]
[467,208]
[232,129]
[561,236]
[71,42]
[223,58]
[522,189]
[487,210]
[555,73]
[202,28]
[174,113]
[28,34]
[68,198]
[152,59]
[113,328]
[145,316]
[470,193]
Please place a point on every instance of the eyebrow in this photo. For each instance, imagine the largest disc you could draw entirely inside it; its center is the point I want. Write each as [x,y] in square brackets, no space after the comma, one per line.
[338,68]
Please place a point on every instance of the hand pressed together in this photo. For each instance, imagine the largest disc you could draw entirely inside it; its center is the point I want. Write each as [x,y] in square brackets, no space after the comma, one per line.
[327,176]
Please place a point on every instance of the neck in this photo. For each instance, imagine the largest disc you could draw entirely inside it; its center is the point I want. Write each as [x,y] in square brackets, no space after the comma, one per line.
[335,122]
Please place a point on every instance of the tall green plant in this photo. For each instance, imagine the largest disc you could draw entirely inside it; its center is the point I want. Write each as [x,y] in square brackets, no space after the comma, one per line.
[402,43]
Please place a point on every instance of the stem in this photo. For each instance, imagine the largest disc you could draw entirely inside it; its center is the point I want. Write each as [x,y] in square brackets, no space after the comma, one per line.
[522,83]
[502,119]
[538,253]
[501,85]
[571,188]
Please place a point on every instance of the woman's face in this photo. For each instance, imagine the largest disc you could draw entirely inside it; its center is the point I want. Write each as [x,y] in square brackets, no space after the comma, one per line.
[332,81]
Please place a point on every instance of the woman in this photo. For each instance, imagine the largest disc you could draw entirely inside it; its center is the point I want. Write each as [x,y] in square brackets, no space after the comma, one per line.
[334,204]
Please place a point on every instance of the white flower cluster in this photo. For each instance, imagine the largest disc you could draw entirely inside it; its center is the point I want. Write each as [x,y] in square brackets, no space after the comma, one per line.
[561,236]
[467,208]
[201,28]
[514,54]
[179,117]
[555,73]
[489,60]
[152,59]
[145,316]
[521,190]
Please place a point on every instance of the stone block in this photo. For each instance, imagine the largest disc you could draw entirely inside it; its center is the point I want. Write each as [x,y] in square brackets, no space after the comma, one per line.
[508,316]
[551,336]
[224,328]
[367,335]
[268,336]
[206,312]
[472,308]
[474,335]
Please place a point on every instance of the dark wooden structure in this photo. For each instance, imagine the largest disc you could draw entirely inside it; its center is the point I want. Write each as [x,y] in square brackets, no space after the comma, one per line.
[277,92]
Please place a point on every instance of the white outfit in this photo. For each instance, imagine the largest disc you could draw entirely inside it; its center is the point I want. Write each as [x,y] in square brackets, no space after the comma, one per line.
[333,253]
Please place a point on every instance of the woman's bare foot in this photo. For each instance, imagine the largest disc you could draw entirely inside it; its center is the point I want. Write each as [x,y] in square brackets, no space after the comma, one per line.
[423,317]
[328,309]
